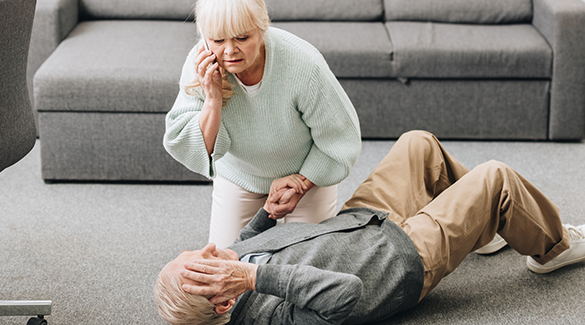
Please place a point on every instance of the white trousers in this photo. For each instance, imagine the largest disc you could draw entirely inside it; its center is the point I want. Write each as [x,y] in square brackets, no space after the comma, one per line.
[233,207]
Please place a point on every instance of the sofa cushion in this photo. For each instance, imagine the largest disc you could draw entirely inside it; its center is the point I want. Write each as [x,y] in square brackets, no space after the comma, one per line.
[460,11]
[352,49]
[436,50]
[101,146]
[451,109]
[136,9]
[115,66]
[327,10]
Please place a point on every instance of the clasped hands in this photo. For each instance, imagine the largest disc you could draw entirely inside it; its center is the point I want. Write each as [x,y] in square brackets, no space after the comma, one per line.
[285,194]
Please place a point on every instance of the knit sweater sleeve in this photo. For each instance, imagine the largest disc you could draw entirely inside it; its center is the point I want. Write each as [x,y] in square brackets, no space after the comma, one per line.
[334,125]
[183,138]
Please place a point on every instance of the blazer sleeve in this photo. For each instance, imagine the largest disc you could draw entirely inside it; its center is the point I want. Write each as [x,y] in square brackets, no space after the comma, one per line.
[183,138]
[311,295]
[260,223]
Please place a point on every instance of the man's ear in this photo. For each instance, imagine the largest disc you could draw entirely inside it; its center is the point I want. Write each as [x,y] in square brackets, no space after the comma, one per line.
[225,306]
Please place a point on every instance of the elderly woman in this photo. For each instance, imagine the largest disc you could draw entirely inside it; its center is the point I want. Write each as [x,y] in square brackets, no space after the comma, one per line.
[260,113]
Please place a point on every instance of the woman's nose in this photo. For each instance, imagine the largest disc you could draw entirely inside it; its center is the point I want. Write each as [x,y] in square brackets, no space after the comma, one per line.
[230,48]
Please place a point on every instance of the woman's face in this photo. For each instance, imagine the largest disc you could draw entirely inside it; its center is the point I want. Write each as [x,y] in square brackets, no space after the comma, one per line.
[239,54]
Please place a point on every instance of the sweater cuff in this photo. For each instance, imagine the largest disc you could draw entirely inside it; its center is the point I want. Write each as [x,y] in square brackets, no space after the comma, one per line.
[322,170]
[183,140]
[222,145]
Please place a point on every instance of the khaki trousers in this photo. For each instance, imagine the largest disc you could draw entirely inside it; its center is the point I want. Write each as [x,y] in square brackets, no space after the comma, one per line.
[449,211]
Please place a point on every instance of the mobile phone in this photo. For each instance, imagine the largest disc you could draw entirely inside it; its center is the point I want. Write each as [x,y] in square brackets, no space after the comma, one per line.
[203,37]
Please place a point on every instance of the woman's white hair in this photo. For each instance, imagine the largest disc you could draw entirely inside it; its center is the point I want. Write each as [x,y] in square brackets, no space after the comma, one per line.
[181,308]
[225,19]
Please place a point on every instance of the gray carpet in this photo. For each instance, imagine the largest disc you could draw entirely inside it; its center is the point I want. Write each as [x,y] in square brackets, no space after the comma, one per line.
[95,249]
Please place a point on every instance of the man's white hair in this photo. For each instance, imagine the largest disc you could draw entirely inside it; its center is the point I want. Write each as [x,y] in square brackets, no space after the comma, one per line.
[181,308]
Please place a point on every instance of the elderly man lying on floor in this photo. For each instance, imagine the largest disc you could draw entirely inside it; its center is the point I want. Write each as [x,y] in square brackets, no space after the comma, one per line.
[410,224]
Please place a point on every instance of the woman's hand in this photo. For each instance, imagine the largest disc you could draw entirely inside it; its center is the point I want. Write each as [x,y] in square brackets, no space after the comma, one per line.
[287,202]
[208,74]
[285,194]
[224,280]
[209,77]
[294,181]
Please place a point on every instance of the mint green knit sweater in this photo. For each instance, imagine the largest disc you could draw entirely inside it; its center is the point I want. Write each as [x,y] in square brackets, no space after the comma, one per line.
[300,121]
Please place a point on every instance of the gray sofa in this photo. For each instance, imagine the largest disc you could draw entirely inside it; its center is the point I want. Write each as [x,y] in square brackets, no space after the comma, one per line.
[462,69]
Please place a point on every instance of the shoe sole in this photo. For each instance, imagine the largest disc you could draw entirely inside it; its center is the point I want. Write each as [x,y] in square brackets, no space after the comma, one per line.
[489,249]
[538,268]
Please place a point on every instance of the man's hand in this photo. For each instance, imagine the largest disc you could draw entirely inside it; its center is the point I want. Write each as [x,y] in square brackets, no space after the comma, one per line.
[224,280]
[285,194]
[286,202]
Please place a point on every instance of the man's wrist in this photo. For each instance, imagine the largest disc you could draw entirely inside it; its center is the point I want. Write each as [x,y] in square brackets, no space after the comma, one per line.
[252,276]
[266,207]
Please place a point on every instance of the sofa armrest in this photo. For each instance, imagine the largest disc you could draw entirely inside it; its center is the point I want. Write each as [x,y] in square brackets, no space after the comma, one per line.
[562,23]
[54,19]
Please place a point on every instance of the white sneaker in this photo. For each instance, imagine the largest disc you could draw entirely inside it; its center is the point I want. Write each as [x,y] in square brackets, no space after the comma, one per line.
[575,253]
[495,245]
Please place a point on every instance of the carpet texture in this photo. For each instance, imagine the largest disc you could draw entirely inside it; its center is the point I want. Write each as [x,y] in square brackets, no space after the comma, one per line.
[95,249]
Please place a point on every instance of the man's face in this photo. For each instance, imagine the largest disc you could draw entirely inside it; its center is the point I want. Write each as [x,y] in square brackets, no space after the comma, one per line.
[209,252]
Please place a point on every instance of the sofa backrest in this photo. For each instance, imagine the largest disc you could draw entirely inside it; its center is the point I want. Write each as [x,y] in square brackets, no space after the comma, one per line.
[136,9]
[325,10]
[460,11]
[278,10]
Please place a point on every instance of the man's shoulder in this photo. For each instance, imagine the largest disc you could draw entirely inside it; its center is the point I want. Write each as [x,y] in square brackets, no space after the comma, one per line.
[278,237]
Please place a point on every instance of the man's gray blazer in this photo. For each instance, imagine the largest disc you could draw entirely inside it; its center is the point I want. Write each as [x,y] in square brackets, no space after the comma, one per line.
[339,271]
